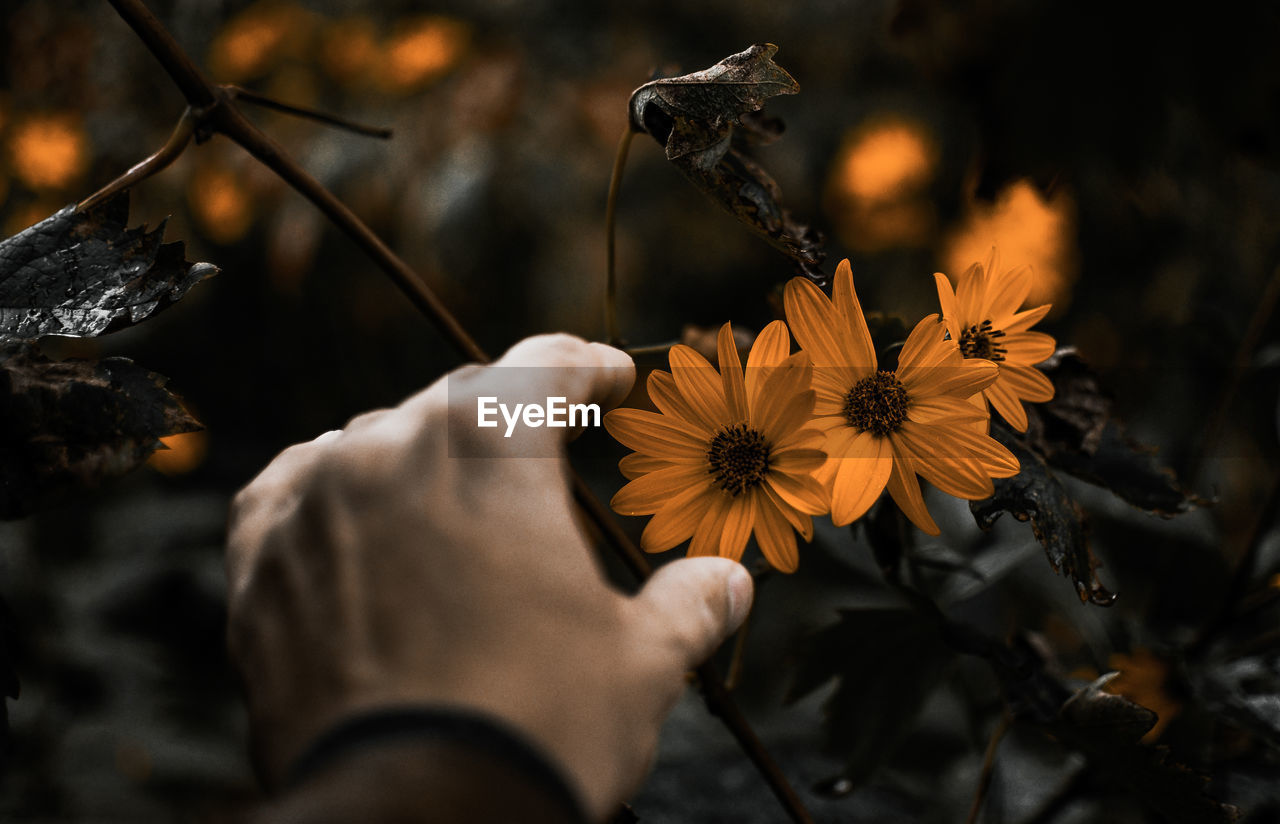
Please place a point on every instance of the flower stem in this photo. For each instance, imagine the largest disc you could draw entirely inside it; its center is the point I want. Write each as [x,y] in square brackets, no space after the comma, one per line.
[167,153]
[614,336]
[988,767]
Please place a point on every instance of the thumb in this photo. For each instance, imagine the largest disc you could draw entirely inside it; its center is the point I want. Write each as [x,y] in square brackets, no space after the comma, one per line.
[693,604]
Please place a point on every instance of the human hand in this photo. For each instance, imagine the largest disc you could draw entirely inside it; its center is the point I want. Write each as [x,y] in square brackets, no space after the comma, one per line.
[413,558]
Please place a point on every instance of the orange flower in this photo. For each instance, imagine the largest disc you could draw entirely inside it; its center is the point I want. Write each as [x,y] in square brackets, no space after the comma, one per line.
[982,316]
[882,428]
[725,456]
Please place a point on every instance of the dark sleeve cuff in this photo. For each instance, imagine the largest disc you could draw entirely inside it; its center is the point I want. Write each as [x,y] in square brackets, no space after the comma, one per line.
[428,764]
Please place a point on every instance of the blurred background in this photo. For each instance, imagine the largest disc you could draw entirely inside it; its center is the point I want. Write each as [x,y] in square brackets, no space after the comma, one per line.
[1131,155]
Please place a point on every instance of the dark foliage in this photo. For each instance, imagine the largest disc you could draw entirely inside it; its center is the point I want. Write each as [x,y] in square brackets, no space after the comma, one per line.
[83,273]
[708,121]
[71,425]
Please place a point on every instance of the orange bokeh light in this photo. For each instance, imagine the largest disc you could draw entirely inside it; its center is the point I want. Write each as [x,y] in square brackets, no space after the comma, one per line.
[1025,228]
[220,203]
[251,43]
[877,187]
[48,151]
[185,452]
[886,160]
[420,51]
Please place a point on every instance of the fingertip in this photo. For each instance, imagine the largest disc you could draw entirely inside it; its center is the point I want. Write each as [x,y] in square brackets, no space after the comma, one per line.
[621,371]
[742,592]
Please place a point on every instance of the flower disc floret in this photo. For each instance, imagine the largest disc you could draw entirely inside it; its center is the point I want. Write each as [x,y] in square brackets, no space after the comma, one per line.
[739,458]
[877,404]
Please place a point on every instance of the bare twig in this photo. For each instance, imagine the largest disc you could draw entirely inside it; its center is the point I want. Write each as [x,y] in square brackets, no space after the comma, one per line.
[988,767]
[167,153]
[249,96]
[610,224]
[651,349]
[215,111]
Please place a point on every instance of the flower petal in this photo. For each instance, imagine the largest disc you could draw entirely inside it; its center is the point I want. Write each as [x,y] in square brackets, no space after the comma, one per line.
[1006,292]
[738,525]
[785,400]
[1027,382]
[845,299]
[817,327]
[905,490]
[971,291]
[860,478]
[664,394]
[801,492]
[955,475]
[1022,321]
[674,523]
[944,408]
[771,348]
[700,386]
[657,435]
[649,493]
[636,464]
[706,538]
[797,461]
[775,536]
[1027,348]
[800,522]
[1004,400]
[961,379]
[947,303]
[735,390]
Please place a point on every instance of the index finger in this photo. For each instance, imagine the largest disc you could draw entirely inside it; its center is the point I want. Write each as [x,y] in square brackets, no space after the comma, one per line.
[538,395]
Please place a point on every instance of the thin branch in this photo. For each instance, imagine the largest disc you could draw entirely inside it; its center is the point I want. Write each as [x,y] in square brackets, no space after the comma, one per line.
[1249,341]
[218,113]
[988,767]
[651,349]
[610,224]
[721,705]
[249,96]
[167,153]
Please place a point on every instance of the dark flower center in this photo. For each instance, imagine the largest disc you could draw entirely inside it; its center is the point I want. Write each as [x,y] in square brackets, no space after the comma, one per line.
[981,341]
[877,404]
[739,458]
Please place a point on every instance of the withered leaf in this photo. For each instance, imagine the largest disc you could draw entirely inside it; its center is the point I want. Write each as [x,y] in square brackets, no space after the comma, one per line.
[1035,494]
[1245,689]
[707,121]
[70,425]
[1074,419]
[82,273]
[1107,729]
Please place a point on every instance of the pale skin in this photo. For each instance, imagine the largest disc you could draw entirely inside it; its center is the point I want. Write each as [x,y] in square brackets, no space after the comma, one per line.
[412,558]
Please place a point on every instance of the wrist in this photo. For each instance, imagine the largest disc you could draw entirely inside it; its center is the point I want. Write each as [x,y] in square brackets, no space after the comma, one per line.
[426,764]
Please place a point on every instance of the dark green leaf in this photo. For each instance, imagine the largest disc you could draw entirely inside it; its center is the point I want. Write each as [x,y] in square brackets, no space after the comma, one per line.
[1058,523]
[1245,689]
[8,676]
[1077,433]
[82,273]
[69,425]
[887,662]
[707,121]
